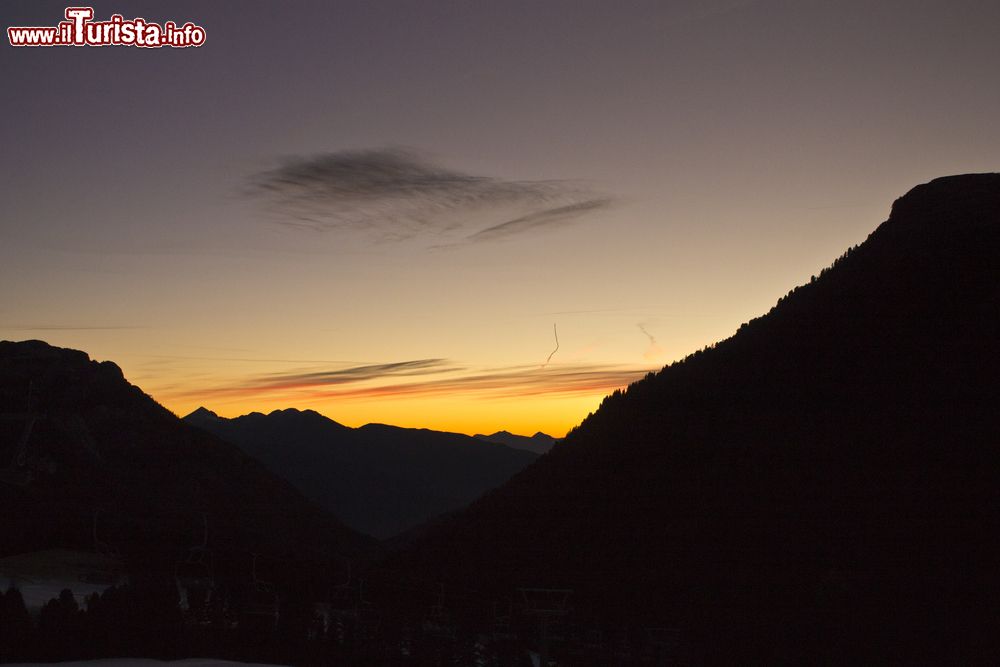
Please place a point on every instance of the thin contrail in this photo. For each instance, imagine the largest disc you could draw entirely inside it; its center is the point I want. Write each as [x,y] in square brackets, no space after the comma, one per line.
[654,351]
[555,333]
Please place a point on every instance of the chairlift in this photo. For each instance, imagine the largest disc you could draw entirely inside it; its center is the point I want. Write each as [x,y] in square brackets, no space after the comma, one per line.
[194,576]
[545,604]
[345,599]
[17,472]
[548,602]
[502,628]
[101,547]
[438,622]
[262,599]
[343,606]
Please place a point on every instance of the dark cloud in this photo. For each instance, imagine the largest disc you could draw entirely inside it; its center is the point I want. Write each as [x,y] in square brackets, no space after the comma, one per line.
[396,194]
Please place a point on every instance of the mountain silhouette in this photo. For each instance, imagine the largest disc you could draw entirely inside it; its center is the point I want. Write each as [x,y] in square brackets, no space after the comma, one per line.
[538,443]
[88,461]
[381,480]
[823,485]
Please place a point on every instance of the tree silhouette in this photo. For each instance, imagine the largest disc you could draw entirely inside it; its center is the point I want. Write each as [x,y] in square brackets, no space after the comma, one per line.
[16,631]
[60,627]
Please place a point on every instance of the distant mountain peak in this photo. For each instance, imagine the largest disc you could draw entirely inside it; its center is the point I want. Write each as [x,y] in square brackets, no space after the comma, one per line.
[288,411]
[299,416]
[202,413]
[538,443]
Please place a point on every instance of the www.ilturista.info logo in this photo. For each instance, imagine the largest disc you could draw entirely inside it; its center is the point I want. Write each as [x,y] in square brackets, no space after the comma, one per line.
[79,30]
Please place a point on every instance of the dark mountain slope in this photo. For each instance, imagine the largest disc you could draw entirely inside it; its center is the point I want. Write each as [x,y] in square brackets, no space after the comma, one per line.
[825,483]
[100,446]
[382,480]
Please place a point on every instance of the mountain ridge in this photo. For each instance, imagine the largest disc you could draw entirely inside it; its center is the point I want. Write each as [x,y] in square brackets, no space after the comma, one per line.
[80,441]
[384,479]
[538,443]
[797,485]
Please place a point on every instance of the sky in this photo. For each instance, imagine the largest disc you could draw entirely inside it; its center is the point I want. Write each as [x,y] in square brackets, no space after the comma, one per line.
[461,216]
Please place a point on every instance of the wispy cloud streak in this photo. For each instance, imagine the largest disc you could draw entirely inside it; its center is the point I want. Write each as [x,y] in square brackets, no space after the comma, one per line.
[425,378]
[70,327]
[549,217]
[361,373]
[570,380]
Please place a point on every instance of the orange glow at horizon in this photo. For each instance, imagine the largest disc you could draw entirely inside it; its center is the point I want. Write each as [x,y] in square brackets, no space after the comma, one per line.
[554,416]
[519,400]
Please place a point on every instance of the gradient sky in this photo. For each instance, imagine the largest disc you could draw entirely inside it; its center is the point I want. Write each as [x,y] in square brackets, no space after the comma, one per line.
[379,210]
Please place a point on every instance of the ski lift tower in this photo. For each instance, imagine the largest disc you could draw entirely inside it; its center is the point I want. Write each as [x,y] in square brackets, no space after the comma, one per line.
[545,604]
